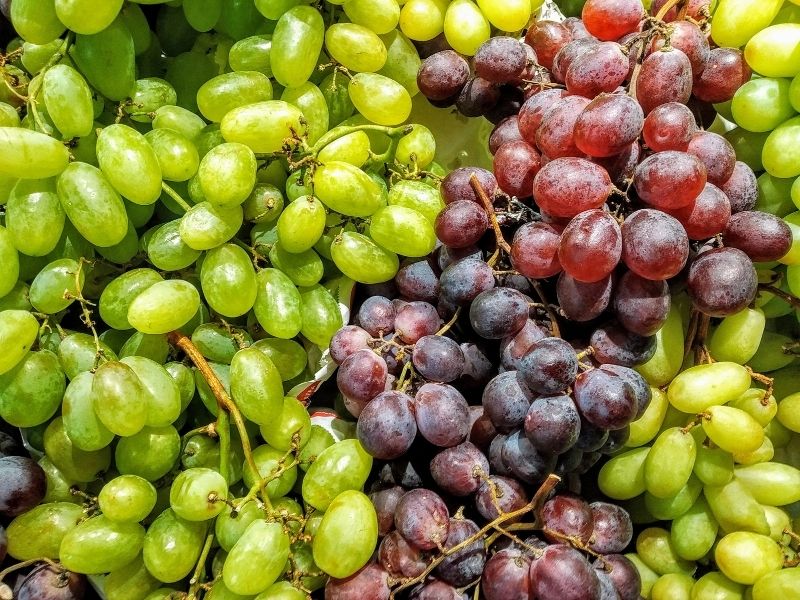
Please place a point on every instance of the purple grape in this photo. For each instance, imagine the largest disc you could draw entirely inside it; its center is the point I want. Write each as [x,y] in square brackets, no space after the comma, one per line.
[615,345]
[498,313]
[641,388]
[399,558]
[613,529]
[438,358]
[562,572]
[24,485]
[442,414]
[525,461]
[506,400]
[417,281]
[553,424]
[499,495]
[376,316]
[385,502]
[371,582]
[550,366]
[422,519]
[415,320]
[623,574]
[461,282]
[348,340]
[604,399]
[362,375]
[466,565]
[514,348]
[505,576]
[459,470]
[386,426]
[45,582]
[567,516]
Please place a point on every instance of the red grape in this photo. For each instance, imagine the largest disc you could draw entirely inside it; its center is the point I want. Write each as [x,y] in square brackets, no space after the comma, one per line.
[566,187]
[591,246]
[416,319]
[555,136]
[567,54]
[612,529]
[438,358]
[689,39]
[399,558]
[566,515]
[477,97]
[533,110]
[442,414]
[500,59]
[499,495]
[613,344]
[442,75]
[24,485]
[669,127]
[547,38]
[465,565]
[417,281]
[460,470]
[462,281]
[722,282]
[706,216]
[641,305]
[45,582]
[716,153]
[376,315]
[562,572]
[456,185]
[550,366]
[604,399]
[552,424]
[583,301]
[504,132]
[742,188]
[462,223]
[505,576]
[670,179]
[665,76]
[513,348]
[506,400]
[762,236]
[725,72]
[611,19]
[534,250]
[362,375]
[602,68]
[422,519]
[385,502]
[368,583]
[515,165]
[386,426]
[525,461]
[623,574]
[499,312]
[608,125]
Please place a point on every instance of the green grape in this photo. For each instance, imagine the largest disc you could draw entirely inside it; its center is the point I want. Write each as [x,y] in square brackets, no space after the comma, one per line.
[343,466]
[219,591]
[31,392]
[353,148]
[779,584]
[320,315]
[59,488]
[779,521]
[762,104]
[356,47]
[506,16]
[309,99]
[79,353]
[16,299]
[283,590]
[781,154]
[124,251]
[669,463]
[38,533]
[35,155]
[380,99]
[671,507]
[262,126]
[81,424]
[775,51]
[465,27]
[223,373]
[92,204]
[737,338]
[56,286]
[153,347]
[36,21]
[257,558]
[736,21]
[78,465]
[177,155]
[745,557]
[187,72]
[347,535]
[715,586]
[748,146]
[184,380]
[107,60]
[160,390]
[672,586]
[381,16]
[622,477]
[732,429]
[228,280]
[304,558]
[693,533]
[120,400]
[179,120]
[304,268]
[273,9]
[219,343]
[789,412]
[288,356]
[416,149]
[296,44]
[422,20]
[203,452]
[129,163]
[774,195]
[9,262]
[340,107]
[794,92]
[256,386]
[347,189]
[772,484]
[118,295]
[172,546]
[205,226]
[765,452]
[252,54]
[68,101]
[11,95]
[301,224]
[202,15]
[645,428]
[9,117]
[87,16]
[164,306]
[217,96]
[127,499]
[647,575]
[654,547]
[402,230]
[239,18]
[227,174]
[264,204]
[698,388]
[770,355]
[150,454]
[778,433]
[735,508]
[131,582]
[195,494]
[269,461]
[278,306]
[667,361]
[229,528]
[291,429]
[417,195]
[319,439]
[137,24]
[363,260]
[758,405]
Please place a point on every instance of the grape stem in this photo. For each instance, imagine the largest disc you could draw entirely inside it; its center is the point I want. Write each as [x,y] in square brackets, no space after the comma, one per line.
[27,563]
[86,314]
[446,327]
[534,505]
[790,299]
[199,574]
[334,135]
[224,403]
[175,196]
[550,312]
[487,205]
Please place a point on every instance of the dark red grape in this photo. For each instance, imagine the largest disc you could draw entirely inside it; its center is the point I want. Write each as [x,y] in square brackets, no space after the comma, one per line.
[641,305]
[722,282]
[534,250]
[716,153]
[641,388]
[591,438]
[422,519]
[689,39]
[615,345]
[591,246]
[362,375]
[706,216]
[500,59]
[608,125]
[567,54]
[482,431]
[447,256]
[499,495]
[611,19]
[670,179]
[371,582]
[461,224]
[669,127]
[552,424]
[512,349]
[533,110]
[506,400]
[477,97]
[612,528]
[605,399]
[762,236]
[460,470]
[725,72]
[565,187]
[562,572]
[505,576]
[741,188]
[417,281]
[525,461]
[583,301]
[436,590]
[442,414]
[547,38]
[601,69]
[623,574]
[515,165]
[498,313]
[621,167]
[556,135]
[24,485]
[665,76]
[416,319]
[477,367]
[578,29]
[567,516]
[462,281]
[550,366]
[511,98]
[376,315]
[46,582]
[456,185]
[399,558]
[465,565]
[385,502]
[442,75]
[495,455]
[438,358]
[505,131]
[386,426]
[654,244]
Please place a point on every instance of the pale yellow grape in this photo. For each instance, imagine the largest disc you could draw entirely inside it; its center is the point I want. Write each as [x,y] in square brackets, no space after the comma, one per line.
[732,429]
[775,51]
[31,155]
[355,47]
[381,16]
[771,483]
[380,99]
[18,331]
[645,428]
[738,336]
[507,15]
[736,21]
[779,584]
[309,99]
[264,126]
[402,60]
[789,412]
[465,27]
[164,306]
[745,557]
[217,96]
[352,148]
[422,20]
[227,174]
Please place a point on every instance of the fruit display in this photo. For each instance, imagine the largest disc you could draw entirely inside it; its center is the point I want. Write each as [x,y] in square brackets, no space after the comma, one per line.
[375,299]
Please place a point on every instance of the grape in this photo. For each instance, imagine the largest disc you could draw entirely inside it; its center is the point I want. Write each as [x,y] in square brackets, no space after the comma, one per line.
[386,426]
[524,460]
[456,186]
[516,163]
[376,316]
[464,566]
[362,375]
[726,71]
[442,414]
[442,75]
[670,179]
[688,38]
[498,313]
[565,187]
[591,246]
[665,76]
[438,358]
[506,400]
[604,399]
[624,574]
[762,236]
[669,126]
[547,38]
[716,153]
[563,572]
[552,424]
[608,124]
[505,131]
[533,110]
[641,305]
[415,320]
[601,69]
[500,60]
[555,137]
[436,590]
[568,516]
[399,558]
[568,53]
[505,576]
[534,250]
[422,519]
[459,470]
[499,495]
[583,301]
[707,215]
[24,485]
[612,528]
[461,282]
[51,583]
[477,97]
[417,281]
[722,281]
[614,345]
[514,348]
[550,366]
[461,224]
[697,9]
[654,245]
[385,502]
[611,19]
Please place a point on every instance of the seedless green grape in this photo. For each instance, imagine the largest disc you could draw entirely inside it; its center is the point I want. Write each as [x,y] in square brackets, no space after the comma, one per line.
[195,494]
[465,27]
[228,280]
[422,20]
[263,126]
[278,305]
[30,394]
[39,532]
[127,498]
[356,47]
[107,60]
[257,558]
[256,386]
[363,260]
[68,101]
[34,217]
[177,155]
[164,306]
[206,226]
[775,51]
[347,534]
[347,189]
[223,93]
[296,43]
[252,54]
[35,156]
[81,423]
[380,99]
[172,545]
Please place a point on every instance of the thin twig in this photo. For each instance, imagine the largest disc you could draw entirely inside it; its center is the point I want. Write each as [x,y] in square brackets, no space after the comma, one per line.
[790,299]
[446,327]
[175,196]
[487,205]
[549,309]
